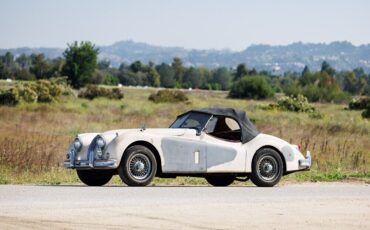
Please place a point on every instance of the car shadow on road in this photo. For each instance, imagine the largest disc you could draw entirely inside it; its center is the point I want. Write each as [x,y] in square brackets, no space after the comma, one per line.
[149,186]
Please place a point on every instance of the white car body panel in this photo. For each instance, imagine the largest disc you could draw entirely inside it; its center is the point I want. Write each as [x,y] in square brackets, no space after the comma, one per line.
[182,151]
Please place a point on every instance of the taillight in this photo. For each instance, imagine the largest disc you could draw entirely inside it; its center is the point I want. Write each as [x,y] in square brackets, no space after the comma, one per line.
[299,147]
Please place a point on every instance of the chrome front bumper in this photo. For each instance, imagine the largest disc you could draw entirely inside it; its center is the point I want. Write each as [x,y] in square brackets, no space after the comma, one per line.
[307,162]
[107,164]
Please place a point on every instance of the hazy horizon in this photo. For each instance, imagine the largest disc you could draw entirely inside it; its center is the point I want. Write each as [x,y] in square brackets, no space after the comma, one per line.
[164,46]
[233,25]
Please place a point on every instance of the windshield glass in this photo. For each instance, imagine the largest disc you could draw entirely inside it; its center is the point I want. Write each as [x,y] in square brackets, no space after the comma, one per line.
[192,121]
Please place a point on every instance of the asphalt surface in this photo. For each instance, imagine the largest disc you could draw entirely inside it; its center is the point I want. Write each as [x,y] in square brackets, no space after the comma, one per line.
[292,206]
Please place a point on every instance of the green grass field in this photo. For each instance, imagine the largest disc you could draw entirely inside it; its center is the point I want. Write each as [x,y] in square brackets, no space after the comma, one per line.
[34,137]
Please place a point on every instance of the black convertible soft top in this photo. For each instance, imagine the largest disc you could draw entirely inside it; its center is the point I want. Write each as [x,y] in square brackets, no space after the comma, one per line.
[248,130]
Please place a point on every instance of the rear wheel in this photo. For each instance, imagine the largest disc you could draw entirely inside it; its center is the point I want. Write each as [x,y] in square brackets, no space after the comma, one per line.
[138,166]
[94,177]
[220,180]
[267,168]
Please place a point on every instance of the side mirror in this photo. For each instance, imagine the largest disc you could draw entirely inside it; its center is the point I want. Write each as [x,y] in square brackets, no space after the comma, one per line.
[198,132]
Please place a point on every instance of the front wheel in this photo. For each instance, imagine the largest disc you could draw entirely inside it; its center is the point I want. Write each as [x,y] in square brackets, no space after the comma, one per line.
[220,180]
[138,166]
[267,168]
[94,177]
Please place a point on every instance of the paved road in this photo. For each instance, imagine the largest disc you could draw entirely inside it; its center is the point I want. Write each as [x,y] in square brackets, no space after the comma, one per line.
[292,206]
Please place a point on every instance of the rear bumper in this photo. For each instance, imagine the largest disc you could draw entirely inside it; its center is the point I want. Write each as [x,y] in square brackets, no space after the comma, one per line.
[305,164]
[108,164]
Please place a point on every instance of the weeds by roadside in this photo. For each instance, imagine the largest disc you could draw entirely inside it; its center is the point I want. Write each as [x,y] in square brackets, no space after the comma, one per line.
[34,137]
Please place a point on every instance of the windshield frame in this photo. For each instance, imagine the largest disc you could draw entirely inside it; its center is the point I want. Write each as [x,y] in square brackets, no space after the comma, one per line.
[186,116]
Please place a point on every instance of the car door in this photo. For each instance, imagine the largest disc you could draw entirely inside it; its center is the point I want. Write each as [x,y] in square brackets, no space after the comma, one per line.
[184,154]
[224,153]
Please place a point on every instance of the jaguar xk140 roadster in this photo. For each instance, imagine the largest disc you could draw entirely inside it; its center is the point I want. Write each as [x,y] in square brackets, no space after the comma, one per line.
[219,144]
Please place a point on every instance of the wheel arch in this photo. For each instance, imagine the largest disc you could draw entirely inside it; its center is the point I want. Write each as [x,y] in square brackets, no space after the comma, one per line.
[278,151]
[152,148]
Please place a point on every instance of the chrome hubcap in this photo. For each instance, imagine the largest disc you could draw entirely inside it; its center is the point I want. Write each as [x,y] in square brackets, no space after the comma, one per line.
[139,166]
[268,168]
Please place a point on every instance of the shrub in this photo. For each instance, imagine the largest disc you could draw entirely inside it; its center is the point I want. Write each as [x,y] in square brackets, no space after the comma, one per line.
[43,88]
[295,104]
[366,113]
[359,104]
[316,115]
[312,92]
[28,95]
[110,80]
[9,97]
[62,83]
[116,94]
[255,87]
[40,91]
[168,96]
[93,91]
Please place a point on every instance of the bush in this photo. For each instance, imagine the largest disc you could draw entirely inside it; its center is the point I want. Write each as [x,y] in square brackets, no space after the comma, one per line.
[62,83]
[40,91]
[9,97]
[93,91]
[168,96]
[43,88]
[359,104]
[255,87]
[366,113]
[110,80]
[295,104]
[28,95]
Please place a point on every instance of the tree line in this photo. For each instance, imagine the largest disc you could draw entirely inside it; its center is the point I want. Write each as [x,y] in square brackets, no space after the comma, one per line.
[80,64]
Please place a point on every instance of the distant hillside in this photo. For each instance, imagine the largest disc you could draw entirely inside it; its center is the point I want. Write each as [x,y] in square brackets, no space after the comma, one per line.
[293,57]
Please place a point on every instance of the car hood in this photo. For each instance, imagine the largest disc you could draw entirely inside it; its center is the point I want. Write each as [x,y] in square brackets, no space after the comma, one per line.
[156,131]
[108,136]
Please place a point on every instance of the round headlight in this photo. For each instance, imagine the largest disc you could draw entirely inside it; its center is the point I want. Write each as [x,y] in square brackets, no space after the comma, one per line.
[100,142]
[77,144]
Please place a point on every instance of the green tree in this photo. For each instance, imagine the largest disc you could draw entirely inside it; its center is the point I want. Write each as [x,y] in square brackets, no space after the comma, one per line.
[179,70]
[136,66]
[56,67]
[6,65]
[306,71]
[103,65]
[255,87]
[222,77]
[152,77]
[192,78]
[40,67]
[81,62]
[167,75]
[24,61]
[241,71]
[326,67]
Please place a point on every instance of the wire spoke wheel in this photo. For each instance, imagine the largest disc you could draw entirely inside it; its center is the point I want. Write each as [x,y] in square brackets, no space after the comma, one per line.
[139,166]
[268,168]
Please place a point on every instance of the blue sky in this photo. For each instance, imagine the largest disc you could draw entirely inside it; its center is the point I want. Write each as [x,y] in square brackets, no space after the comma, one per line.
[201,24]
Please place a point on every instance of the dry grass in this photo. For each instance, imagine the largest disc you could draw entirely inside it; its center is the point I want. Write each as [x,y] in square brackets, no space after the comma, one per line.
[34,137]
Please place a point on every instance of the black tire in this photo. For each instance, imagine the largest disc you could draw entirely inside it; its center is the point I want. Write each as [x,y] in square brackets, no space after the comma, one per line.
[267,168]
[138,166]
[220,180]
[94,177]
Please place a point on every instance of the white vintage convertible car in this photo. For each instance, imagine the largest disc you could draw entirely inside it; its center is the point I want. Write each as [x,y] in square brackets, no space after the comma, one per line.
[219,144]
